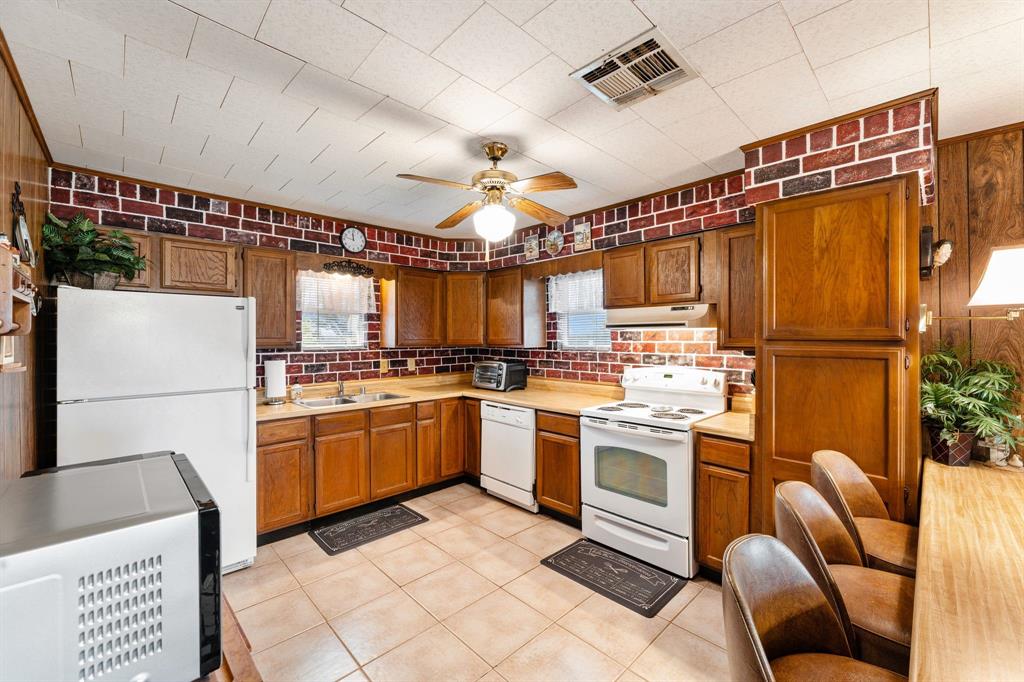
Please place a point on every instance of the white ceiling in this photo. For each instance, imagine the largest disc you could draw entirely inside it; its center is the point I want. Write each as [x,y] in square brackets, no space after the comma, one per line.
[317,104]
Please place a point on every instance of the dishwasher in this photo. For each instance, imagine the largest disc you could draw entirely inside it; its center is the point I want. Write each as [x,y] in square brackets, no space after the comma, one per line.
[508,466]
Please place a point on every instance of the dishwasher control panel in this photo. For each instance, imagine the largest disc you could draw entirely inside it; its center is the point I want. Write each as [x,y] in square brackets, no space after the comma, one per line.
[522,417]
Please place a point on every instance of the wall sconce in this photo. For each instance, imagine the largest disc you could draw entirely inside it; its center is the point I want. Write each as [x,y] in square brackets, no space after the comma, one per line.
[1001,285]
[933,254]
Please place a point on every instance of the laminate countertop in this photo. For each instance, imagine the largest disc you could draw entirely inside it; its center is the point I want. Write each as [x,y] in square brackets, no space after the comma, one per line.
[738,425]
[969,596]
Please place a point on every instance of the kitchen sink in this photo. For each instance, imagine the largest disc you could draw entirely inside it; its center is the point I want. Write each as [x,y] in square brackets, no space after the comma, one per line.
[372,397]
[346,399]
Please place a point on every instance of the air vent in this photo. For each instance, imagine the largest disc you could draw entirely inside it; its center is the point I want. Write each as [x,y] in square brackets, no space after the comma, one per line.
[643,67]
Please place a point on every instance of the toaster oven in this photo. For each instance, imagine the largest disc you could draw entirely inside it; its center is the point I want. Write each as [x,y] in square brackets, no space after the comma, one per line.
[498,375]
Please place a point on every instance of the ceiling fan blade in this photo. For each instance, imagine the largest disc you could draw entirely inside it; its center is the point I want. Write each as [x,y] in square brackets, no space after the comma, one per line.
[544,183]
[460,215]
[542,213]
[435,181]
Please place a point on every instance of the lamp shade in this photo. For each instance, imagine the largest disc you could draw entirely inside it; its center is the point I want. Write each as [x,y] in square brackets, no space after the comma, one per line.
[494,222]
[1003,281]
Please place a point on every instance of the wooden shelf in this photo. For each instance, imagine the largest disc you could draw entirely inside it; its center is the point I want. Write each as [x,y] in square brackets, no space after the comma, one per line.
[16,296]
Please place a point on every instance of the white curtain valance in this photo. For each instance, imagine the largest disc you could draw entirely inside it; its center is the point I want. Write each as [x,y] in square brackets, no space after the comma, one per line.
[335,294]
[577,292]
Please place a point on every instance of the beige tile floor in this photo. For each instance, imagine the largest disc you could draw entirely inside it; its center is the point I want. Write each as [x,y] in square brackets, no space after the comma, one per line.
[462,597]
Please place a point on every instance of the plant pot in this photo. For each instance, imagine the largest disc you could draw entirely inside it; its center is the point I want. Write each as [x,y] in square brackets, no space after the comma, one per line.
[82,280]
[106,280]
[957,454]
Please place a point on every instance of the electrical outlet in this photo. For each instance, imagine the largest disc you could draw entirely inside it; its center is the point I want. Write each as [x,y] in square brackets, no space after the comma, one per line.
[385,365]
[411,364]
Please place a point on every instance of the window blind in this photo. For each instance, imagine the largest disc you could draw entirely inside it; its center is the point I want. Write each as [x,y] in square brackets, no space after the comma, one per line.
[578,301]
[334,309]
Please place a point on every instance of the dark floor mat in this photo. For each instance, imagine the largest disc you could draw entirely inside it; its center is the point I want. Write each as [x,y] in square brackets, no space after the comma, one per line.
[360,530]
[638,586]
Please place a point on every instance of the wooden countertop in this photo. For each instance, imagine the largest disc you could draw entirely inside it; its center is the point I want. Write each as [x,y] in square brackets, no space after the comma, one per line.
[564,397]
[738,425]
[969,595]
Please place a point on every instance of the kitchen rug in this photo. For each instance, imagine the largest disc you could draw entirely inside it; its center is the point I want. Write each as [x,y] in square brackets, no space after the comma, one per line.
[344,535]
[638,586]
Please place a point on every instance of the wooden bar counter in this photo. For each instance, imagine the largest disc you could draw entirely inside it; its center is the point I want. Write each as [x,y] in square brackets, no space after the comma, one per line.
[969,597]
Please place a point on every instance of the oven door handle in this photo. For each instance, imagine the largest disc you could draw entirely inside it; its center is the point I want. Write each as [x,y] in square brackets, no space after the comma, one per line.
[634,429]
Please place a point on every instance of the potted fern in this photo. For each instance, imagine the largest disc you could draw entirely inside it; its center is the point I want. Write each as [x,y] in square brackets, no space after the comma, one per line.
[961,402]
[78,254]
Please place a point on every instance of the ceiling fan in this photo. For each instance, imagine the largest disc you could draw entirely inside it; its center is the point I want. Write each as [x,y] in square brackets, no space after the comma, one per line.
[493,221]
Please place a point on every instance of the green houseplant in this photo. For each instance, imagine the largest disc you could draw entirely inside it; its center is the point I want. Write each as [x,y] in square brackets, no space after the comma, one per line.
[962,401]
[79,254]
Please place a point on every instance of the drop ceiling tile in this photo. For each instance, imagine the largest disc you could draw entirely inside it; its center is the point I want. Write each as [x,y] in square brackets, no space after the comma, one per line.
[802,10]
[60,130]
[101,140]
[319,32]
[392,195]
[469,105]
[727,162]
[988,98]
[257,177]
[42,71]
[590,118]
[318,193]
[267,195]
[156,173]
[217,185]
[855,26]
[301,172]
[159,23]
[386,173]
[520,129]
[894,89]
[755,97]
[229,125]
[183,139]
[580,160]
[145,63]
[452,141]
[192,161]
[446,167]
[468,50]
[86,158]
[279,111]
[79,110]
[683,176]
[402,72]
[679,102]
[219,150]
[755,42]
[338,131]
[545,88]
[233,53]
[710,133]
[985,50]
[395,117]
[424,25]
[243,16]
[519,11]
[646,149]
[145,97]
[684,22]
[42,26]
[953,19]
[580,31]
[338,95]
[875,66]
[284,141]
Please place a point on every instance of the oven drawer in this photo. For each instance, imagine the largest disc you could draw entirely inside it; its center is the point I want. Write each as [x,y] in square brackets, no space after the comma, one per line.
[670,552]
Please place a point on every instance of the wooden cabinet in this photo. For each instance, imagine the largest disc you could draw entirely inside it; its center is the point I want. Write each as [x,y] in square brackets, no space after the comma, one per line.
[465,315]
[341,459]
[624,277]
[419,307]
[516,309]
[198,266]
[451,421]
[723,509]
[144,248]
[268,275]
[283,474]
[737,271]
[428,444]
[673,271]
[558,463]
[472,414]
[392,450]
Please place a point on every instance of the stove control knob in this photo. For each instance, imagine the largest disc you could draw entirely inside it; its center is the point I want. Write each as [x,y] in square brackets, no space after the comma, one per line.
[703,381]
[717,383]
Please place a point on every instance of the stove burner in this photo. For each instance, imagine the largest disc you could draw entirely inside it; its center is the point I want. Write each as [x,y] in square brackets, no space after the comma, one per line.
[668,415]
[689,410]
[632,404]
[610,408]
[661,408]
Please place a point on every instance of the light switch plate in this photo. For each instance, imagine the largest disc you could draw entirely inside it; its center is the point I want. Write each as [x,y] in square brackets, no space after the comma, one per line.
[385,364]
[411,363]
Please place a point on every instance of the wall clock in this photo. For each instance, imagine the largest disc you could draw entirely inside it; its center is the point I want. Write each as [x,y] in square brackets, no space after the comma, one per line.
[353,239]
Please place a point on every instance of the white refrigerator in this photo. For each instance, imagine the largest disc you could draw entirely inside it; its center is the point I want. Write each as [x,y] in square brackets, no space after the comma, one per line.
[142,372]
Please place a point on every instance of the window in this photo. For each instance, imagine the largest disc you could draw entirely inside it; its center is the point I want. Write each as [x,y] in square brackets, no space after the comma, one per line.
[334,309]
[578,301]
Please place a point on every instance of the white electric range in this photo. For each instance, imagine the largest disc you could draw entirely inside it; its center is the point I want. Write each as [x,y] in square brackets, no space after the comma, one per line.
[637,466]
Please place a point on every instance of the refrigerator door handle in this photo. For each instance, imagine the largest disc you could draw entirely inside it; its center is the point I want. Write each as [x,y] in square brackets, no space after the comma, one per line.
[249,425]
[250,342]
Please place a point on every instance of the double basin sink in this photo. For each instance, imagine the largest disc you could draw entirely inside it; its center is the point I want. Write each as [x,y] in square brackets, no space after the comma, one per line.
[347,399]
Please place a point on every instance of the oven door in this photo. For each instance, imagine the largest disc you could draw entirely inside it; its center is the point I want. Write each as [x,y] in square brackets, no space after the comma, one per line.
[637,472]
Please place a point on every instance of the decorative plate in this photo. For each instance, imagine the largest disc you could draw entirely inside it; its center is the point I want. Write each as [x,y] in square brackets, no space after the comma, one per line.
[554,242]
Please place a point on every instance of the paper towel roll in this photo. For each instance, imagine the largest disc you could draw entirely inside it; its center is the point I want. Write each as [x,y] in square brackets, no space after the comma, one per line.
[275,379]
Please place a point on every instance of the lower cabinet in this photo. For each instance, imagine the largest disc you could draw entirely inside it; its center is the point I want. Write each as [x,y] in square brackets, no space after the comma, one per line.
[558,463]
[472,408]
[342,466]
[428,444]
[284,476]
[452,420]
[723,496]
[392,450]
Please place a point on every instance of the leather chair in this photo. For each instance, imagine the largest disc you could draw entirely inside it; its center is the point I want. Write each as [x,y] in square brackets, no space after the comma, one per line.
[875,607]
[883,544]
[778,623]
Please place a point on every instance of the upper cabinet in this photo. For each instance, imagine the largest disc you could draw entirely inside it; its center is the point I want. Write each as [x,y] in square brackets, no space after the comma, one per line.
[465,315]
[143,247]
[419,308]
[737,271]
[269,277]
[656,273]
[516,309]
[199,266]
[624,277]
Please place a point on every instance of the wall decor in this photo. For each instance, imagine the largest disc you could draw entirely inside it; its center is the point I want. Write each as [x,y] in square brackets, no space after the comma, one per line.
[531,247]
[581,237]
[349,267]
[21,234]
[554,242]
[353,239]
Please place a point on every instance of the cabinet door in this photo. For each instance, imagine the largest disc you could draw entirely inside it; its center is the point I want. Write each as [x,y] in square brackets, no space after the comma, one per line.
[465,316]
[505,307]
[282,485]
[737,307]
[558,472]
[198,266]
[723,510]
[392,459]
[624,277]
[420,308]
[268,275]
[673,271]
[428,451]
[472,436]
[451,415]
[342,471]
[143,247]
[836,264]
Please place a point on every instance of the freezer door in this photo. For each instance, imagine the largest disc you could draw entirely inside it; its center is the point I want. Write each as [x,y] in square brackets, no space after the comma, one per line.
[217,431]
[114,344]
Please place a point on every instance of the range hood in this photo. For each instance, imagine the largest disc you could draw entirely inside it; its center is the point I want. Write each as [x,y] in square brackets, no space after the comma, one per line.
[688,315]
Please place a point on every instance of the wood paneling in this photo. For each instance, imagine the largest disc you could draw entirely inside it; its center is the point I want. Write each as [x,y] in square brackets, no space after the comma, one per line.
[269,276]
[737,281]
[419,305]
[198,266]
[723,510]
[673,271]
[452,423]
[283,485]
[472,413]
[624,277]
[465,313]
[558,472]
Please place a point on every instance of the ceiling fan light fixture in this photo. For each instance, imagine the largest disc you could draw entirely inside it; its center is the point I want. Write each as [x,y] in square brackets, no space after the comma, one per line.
[494,222]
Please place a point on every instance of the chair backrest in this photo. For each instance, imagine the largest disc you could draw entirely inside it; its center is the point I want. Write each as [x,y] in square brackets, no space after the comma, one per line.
[847,489]
[773,608]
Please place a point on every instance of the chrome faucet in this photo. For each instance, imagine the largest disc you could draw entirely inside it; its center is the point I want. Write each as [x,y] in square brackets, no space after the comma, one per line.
[341,389]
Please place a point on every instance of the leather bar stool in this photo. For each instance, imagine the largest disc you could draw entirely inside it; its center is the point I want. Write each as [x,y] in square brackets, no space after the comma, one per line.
[778,623]
[875,607]
[883,544]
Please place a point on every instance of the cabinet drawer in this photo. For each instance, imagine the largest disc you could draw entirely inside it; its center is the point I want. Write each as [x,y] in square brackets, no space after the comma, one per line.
[558,423]
[342,422]
[425,410]
[282,430]
[727,453]
[398,414]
